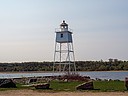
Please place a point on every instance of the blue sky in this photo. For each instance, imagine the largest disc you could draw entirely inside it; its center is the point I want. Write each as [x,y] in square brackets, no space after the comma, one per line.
[27,28]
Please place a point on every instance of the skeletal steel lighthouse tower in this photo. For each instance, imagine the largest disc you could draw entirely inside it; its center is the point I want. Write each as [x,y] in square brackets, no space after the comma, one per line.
[64,58]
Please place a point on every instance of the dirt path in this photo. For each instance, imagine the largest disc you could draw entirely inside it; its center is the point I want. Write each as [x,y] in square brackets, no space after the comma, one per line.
[37,93]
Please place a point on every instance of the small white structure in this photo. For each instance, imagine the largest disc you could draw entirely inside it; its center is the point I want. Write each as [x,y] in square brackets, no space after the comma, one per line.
[64,59]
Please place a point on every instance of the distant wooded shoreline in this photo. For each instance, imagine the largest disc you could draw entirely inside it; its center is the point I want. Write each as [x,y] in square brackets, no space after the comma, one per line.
[80,65]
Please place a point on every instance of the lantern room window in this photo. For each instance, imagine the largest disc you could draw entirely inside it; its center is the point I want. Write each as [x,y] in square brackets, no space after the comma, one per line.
[61,35]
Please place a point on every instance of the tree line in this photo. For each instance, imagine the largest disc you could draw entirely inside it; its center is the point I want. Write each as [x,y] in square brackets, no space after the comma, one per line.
[80,65]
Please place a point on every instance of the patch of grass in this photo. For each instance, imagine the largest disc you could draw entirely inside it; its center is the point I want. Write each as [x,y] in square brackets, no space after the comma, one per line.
[21,86]
[109,85]
[104,86]
[64,86]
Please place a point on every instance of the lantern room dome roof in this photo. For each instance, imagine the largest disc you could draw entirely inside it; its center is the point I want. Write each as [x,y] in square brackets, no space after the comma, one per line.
[63,23]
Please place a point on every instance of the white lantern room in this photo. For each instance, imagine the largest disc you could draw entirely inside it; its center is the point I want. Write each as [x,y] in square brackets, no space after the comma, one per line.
[64,35]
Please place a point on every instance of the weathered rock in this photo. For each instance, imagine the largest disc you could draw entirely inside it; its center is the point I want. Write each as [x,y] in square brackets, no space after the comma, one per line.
[7,83]
[85,86]
[42,86]
[126,83]
[32,80]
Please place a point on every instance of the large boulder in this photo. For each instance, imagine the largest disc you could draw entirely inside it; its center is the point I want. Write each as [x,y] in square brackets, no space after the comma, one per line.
[7,83]
[126,82]
[85,86]
[42,86]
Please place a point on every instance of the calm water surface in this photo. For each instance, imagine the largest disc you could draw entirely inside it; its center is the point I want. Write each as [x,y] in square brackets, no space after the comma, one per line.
[114,75]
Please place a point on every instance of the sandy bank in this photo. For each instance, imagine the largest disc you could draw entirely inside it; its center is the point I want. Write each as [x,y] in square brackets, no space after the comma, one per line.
[40,93]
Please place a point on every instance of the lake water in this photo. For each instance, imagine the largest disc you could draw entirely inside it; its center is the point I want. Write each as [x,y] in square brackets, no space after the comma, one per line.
[114,75]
